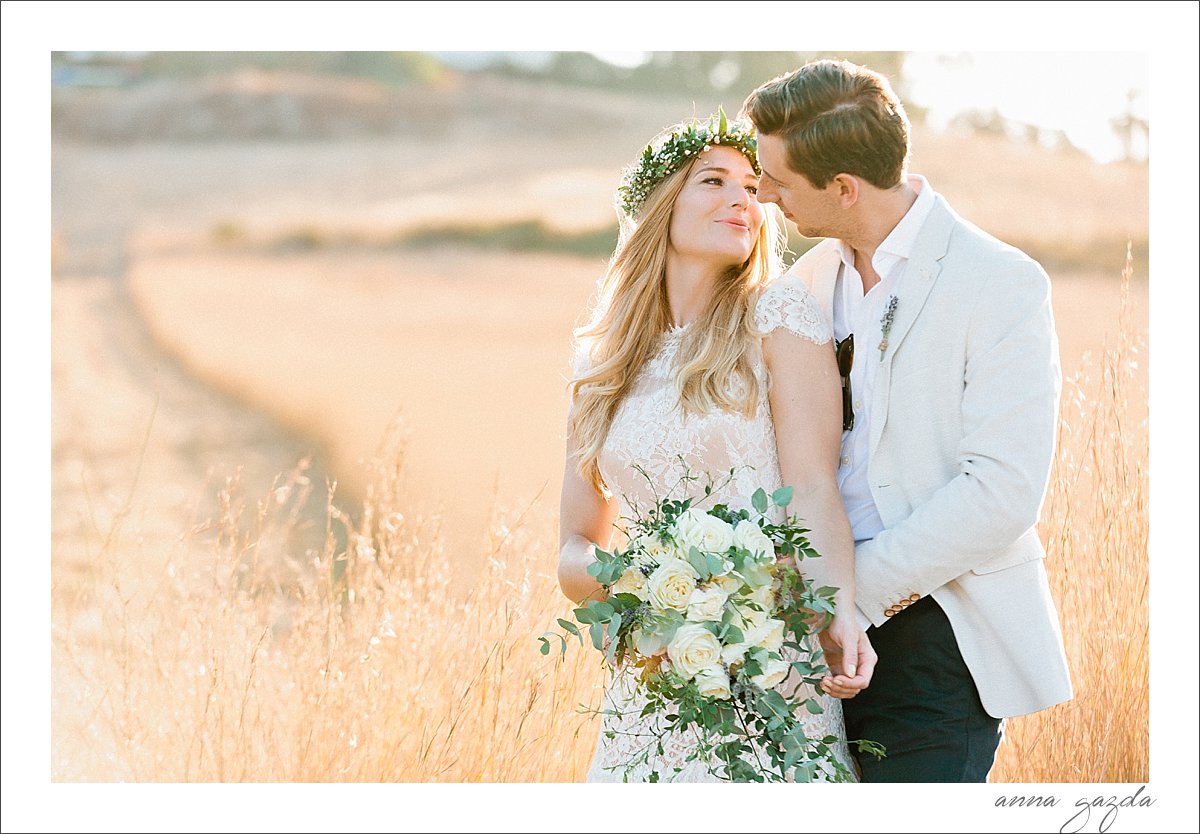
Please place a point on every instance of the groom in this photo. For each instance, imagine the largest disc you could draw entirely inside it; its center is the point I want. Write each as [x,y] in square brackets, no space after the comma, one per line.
[950,364]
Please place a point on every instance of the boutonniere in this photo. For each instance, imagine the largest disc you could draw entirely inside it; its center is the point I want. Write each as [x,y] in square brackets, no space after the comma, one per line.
[886,324]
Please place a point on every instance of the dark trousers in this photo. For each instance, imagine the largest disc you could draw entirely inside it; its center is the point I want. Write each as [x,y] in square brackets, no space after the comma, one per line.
[922,705]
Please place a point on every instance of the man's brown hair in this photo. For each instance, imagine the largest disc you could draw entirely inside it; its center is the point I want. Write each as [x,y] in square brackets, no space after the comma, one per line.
[835,117]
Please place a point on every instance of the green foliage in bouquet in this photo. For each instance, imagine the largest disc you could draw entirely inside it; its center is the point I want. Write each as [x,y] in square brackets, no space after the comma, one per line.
[710,612]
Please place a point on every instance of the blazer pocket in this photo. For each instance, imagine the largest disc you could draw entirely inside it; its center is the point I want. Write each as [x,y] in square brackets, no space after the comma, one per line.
[1025,549]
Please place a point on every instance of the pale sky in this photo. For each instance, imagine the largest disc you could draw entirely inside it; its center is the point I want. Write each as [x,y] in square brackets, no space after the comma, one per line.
[1077,92]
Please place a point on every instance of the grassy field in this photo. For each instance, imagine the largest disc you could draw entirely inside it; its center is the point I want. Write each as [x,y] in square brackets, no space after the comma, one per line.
[235,630]
[239,660]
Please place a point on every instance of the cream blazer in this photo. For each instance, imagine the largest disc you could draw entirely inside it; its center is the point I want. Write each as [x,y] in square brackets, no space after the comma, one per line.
[963,423]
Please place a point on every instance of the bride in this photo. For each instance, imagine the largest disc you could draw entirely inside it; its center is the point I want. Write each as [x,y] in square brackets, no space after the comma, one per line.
[693,361]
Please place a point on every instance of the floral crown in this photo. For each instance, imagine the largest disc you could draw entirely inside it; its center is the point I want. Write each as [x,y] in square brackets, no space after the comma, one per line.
[680,146]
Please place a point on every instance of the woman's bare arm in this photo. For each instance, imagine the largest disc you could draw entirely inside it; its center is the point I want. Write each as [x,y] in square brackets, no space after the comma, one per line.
[585,521]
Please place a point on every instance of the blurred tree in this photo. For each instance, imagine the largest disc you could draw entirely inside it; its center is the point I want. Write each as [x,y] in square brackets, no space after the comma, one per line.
[383,67]
[1132,130]
[578,68]
[729,76]
[990,121]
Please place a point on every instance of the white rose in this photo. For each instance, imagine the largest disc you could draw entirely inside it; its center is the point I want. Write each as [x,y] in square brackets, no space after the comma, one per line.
[653,551]
[692,649]
[714,683]
[734,653]
[730,585]
[704,532]
[764,597]
[632,581]
[773,674]
[706,604]
[671,584]
[769,635]
[749,536]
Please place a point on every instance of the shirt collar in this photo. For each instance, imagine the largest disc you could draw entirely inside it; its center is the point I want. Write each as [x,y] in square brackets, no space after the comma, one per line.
[899,243]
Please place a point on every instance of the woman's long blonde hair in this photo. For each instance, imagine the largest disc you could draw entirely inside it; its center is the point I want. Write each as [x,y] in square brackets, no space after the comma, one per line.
[631,313]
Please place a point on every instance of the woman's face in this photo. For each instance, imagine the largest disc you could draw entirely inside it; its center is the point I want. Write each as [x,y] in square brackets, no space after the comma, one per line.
[716,218]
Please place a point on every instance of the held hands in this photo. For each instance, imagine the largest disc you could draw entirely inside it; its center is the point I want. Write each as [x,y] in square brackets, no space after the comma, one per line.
[849,656]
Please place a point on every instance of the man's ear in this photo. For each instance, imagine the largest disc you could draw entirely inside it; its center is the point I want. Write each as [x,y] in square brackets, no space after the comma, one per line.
[846,188]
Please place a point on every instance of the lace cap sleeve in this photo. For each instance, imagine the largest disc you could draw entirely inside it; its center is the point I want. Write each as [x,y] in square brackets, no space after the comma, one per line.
[787,303]
[580,360]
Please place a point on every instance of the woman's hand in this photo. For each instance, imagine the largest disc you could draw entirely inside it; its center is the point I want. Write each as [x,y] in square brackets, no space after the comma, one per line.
[848,654]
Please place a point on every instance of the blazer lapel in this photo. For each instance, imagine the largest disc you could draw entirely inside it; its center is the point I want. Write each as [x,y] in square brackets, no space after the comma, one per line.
[922,271]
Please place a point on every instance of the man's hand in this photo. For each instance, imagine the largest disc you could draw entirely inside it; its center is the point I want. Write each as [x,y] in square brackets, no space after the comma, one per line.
[849,656]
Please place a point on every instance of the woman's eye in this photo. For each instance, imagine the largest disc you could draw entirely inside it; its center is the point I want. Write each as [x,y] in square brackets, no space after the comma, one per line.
[753,189]
[714,180]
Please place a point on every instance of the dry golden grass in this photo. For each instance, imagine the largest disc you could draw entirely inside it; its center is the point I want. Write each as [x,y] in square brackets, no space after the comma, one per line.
[1096,524]
[239,659]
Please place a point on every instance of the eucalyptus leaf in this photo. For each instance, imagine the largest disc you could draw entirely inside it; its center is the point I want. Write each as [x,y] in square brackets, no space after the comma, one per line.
[773,703]
[612,640]
[603,611]
[715,564]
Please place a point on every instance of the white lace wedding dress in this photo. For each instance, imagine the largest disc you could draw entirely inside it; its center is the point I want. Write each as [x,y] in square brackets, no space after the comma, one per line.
[649,432]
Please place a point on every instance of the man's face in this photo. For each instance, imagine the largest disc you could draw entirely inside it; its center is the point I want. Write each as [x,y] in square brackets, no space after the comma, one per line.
[814,211]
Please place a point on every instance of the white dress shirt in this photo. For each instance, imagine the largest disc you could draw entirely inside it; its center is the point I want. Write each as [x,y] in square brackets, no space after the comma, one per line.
[862,315]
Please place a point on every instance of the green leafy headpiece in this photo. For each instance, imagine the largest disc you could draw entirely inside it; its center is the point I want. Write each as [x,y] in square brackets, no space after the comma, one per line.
[677,148]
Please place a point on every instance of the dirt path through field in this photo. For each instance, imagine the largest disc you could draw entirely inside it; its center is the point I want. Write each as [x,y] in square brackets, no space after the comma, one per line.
[134,436]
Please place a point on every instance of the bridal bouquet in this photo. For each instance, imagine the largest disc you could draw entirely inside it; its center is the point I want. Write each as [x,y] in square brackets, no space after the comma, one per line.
[710,610]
